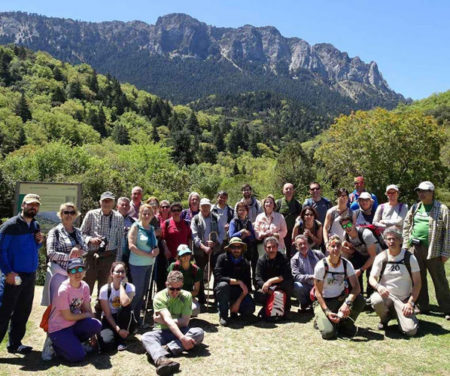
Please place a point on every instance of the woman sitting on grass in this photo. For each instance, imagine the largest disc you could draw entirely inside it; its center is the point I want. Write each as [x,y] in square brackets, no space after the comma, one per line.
[115,300]
[71,321]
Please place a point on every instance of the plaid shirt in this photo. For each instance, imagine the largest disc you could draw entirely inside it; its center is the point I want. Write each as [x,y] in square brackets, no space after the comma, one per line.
[60,243]
[438,230]
[96,224]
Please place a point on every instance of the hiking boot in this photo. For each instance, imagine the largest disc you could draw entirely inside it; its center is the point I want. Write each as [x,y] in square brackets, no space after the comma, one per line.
[166,367]
[21,349]
[382,325]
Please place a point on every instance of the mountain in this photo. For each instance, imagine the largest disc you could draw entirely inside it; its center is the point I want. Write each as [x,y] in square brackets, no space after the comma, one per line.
[183,59]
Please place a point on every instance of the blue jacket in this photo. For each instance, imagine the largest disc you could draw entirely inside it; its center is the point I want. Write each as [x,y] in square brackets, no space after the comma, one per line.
[18,248]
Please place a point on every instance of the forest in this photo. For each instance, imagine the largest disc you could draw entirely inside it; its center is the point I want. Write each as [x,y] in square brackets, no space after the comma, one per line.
[65,123]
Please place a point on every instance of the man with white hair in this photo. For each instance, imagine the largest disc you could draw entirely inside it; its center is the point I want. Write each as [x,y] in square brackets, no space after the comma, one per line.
[395,276]
[426,232]
[136,202]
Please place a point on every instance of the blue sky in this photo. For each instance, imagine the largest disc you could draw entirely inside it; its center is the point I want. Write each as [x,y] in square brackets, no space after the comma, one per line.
[409,40]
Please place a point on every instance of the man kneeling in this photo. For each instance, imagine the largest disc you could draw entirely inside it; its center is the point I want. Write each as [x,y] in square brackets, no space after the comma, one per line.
[171,335]
[396,278]
[233,283]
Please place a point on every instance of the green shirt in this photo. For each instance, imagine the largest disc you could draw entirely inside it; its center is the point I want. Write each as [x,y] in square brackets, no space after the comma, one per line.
[189,276]
[178,307]
[290,211]
[422,224]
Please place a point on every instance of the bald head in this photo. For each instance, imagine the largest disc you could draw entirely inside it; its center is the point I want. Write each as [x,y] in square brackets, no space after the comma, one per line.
[288,191]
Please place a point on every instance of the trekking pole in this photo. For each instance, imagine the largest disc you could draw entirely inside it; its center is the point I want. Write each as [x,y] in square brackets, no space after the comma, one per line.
[149,294]
[213,236]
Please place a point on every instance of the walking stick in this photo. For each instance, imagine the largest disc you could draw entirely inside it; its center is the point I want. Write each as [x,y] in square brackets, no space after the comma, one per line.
[213,236]
[149,294]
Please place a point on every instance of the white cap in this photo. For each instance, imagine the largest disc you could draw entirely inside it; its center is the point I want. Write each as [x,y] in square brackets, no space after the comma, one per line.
[365,196]
[205,201]
[392,186]
[425,186]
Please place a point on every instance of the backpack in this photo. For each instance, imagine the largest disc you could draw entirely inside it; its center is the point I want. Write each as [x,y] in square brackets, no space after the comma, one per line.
[376,231]
[275,307]
[312,293]
[405,261]
[45,318]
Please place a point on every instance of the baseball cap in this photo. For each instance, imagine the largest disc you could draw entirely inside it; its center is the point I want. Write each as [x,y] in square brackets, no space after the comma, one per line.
[425,186]
[183,249]
[107,195]
[31,197]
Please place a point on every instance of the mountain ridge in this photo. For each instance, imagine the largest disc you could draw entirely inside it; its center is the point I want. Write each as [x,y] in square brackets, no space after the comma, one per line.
[254,56]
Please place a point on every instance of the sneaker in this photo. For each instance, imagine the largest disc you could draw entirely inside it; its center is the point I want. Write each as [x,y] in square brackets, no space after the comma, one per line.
[382,326]
[87,347]
[223,322]
[21,349]
[121,347]
[48,352]
[447,316]
[166,367]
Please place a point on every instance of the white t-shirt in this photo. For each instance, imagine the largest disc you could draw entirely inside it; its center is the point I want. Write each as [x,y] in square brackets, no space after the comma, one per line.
[368,238]
[395,277]
[334,280]
[114,298]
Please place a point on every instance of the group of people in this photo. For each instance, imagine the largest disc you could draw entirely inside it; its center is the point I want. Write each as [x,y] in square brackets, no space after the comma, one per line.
[257,253]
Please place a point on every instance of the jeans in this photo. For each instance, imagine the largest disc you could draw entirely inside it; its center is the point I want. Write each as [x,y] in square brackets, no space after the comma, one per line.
[301,292]
[141,279]
[227,294]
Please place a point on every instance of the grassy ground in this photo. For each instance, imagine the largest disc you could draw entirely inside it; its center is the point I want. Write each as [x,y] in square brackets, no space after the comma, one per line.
[291,348]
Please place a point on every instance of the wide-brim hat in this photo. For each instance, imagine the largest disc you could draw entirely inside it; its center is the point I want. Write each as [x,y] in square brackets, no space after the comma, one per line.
[234,241]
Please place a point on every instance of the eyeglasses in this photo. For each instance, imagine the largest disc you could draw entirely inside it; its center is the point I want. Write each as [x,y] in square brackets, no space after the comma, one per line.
[119,271]
[391,192]
[176,210]
[314,189]
[80,269]
[174,288]
[71,212]
[348,225]
[165,207]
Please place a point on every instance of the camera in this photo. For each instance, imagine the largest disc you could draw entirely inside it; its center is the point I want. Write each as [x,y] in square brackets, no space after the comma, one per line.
[415,241]
[103,244]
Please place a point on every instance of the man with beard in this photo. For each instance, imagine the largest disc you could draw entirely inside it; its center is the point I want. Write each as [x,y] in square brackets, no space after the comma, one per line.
[20,240]
[254,206]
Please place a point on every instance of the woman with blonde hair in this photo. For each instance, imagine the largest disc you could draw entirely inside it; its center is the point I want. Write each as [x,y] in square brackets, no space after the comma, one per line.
[143,251]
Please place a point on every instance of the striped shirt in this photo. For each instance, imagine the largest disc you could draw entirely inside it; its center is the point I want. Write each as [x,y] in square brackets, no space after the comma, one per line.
[60,243]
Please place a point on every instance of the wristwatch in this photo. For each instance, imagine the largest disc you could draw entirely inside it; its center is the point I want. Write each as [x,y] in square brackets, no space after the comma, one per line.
[349,302]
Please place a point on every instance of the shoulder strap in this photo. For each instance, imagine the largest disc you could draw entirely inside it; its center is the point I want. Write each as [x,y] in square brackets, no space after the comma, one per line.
[109,291]
[344,261]
[407,260]
[360,231]
[325,264]
[383,264]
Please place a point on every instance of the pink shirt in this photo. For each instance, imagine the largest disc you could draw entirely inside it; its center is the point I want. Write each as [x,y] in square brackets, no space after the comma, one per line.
[68,298]
[275,223]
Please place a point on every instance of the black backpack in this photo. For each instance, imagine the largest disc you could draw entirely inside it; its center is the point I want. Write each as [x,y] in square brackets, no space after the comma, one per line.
[405,261]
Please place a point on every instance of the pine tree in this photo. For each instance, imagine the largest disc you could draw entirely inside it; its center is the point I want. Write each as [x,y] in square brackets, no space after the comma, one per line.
[120,135]
[236,169]
[93,82]
[22,109]
[155,135]
[58,96]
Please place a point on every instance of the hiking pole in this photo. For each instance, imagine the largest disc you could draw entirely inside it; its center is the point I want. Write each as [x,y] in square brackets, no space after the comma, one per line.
[213,236]
[149,295]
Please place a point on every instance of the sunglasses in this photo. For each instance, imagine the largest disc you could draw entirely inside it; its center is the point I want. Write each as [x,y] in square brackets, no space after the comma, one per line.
[235,247]
[348,225]
[174,288]
[71,212]
[176,210]
[80,269]
[165,207]
[314,189]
